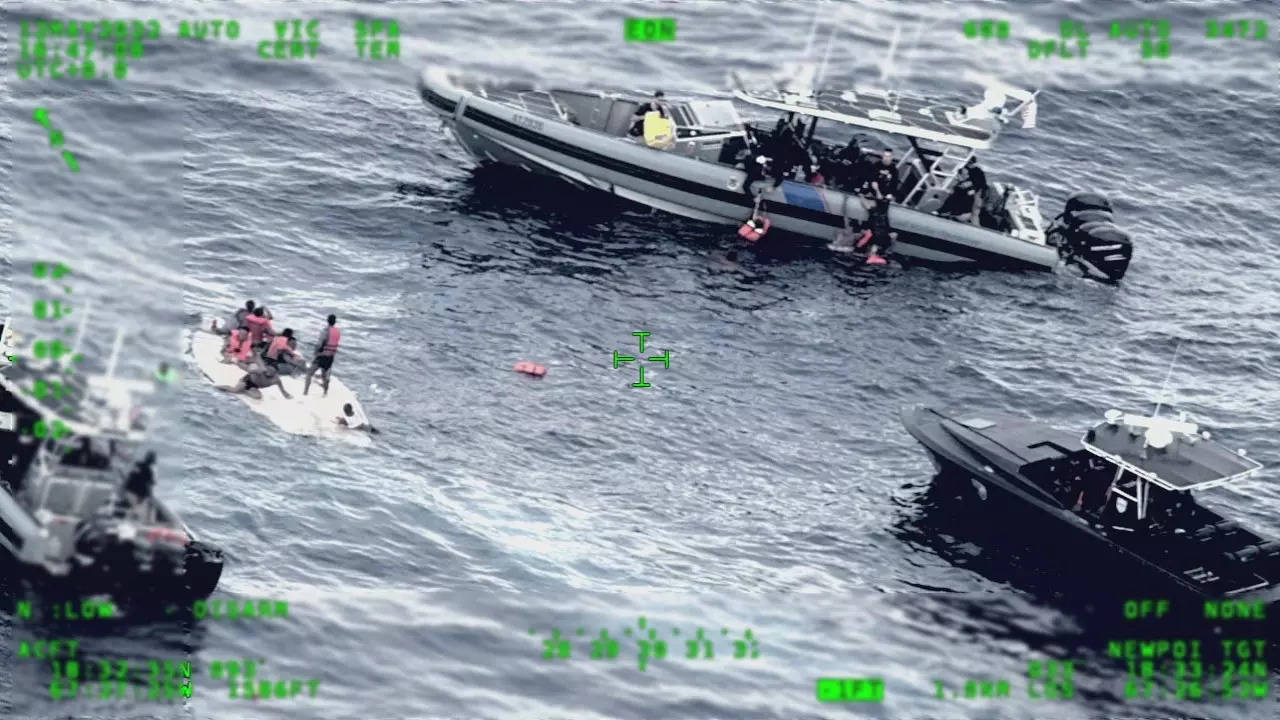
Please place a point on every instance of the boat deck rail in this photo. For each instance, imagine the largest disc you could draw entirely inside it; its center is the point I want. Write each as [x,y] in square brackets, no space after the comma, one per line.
[535,102]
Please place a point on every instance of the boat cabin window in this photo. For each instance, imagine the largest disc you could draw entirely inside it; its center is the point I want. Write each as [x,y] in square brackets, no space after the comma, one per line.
[62,498]
[89,453]
[1071,477]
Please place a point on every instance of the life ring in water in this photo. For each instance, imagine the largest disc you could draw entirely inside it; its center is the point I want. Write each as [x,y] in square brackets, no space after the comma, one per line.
[754,229]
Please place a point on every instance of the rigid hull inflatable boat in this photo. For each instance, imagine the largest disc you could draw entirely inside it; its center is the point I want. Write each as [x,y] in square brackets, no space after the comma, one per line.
[584,137]
[1121,493]
[64,519]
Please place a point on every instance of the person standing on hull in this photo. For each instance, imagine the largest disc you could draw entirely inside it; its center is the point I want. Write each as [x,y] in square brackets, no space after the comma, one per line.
[326,349]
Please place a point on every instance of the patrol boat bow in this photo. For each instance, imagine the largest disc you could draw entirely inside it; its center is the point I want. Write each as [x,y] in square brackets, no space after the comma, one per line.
[1125,487]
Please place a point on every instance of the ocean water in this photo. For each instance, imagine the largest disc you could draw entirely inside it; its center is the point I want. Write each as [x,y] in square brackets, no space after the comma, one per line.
[764,482]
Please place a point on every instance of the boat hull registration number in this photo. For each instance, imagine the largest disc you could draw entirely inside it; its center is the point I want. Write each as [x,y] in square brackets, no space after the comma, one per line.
[527,122]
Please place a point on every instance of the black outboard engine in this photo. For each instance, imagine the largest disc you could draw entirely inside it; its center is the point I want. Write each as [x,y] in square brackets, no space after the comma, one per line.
[1086,236]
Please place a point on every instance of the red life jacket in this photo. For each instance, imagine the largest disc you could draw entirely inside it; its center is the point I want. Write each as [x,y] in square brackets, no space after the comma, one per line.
[751,233]
[278,343]
[257,326]
[331,342]
[233,341]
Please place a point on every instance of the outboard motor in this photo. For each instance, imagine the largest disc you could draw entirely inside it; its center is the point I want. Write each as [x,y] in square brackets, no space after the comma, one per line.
[1086,236]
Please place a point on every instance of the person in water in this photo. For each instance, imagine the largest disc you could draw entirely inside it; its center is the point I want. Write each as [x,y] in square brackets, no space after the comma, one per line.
[326,349]
[350,420]
[882,236]
[165,375]
[260,376]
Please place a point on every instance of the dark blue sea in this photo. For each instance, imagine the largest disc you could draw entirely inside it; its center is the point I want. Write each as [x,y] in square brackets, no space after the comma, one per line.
[764,482]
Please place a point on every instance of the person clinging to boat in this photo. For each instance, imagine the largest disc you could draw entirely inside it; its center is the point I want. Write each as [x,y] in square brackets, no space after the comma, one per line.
[259,377]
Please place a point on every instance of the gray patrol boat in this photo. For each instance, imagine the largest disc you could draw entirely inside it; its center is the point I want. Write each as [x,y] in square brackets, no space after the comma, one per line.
[584,137]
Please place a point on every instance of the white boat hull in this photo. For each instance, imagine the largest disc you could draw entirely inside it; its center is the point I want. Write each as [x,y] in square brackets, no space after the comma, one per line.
[311,415]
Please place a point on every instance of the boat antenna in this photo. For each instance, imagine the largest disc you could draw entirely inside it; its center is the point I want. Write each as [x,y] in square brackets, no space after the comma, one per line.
[813,28]
[887,66]
[822,69]
[1169,374]
[911,49]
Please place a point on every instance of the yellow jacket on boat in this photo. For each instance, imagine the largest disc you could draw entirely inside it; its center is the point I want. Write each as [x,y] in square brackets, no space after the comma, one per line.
[658,131]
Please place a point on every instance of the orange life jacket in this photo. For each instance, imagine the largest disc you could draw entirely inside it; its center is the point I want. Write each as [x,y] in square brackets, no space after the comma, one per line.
[258,326]
[278,343]
[331,342]
[751,233]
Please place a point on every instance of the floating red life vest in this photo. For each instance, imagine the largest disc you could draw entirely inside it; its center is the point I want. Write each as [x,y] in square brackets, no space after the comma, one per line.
[529,368]
[754,229]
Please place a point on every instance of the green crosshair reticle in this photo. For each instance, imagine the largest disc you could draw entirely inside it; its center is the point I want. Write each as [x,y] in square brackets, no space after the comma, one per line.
[52,392]
[619,360]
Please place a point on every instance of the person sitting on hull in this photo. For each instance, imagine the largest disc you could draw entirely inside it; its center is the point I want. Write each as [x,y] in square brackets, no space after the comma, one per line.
[280,354]
[259,325]
[237,347]
[654,105]
[259,377]
[237,319]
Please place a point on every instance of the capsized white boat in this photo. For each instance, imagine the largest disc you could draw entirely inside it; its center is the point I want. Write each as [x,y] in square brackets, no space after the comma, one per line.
[314,414]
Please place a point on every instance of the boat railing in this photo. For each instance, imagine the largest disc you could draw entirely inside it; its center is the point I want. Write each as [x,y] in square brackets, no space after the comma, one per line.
[534,102]
[937,174]
[1023,208]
